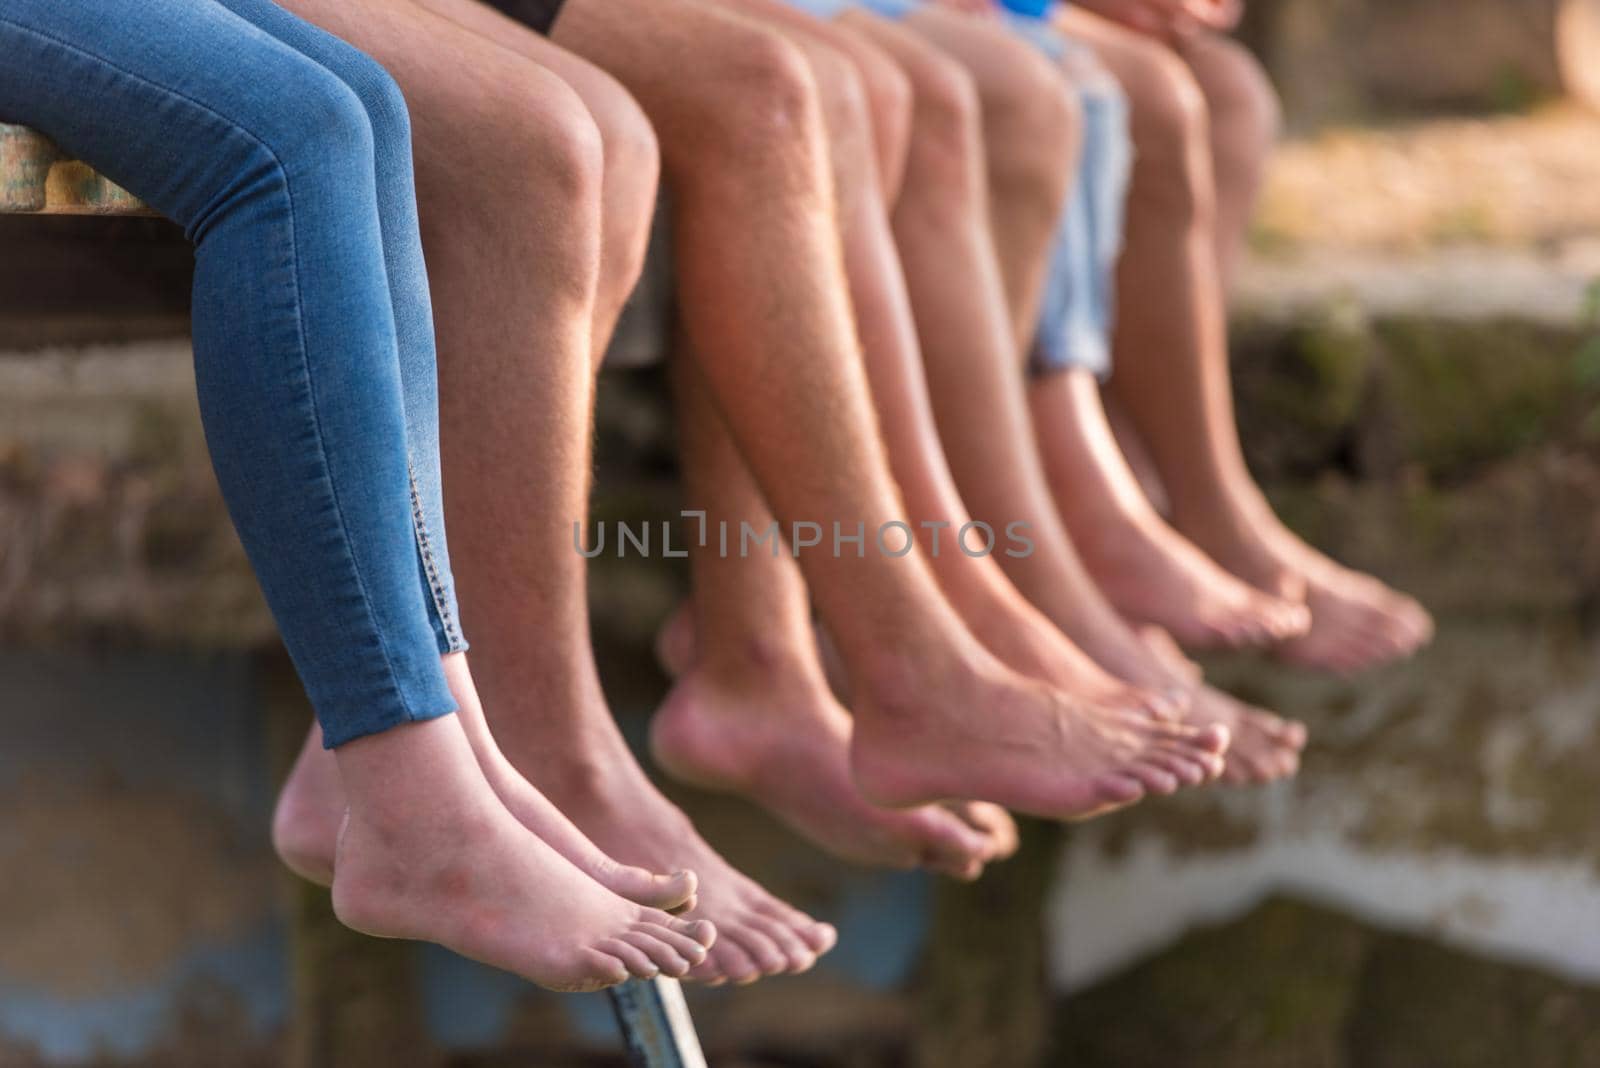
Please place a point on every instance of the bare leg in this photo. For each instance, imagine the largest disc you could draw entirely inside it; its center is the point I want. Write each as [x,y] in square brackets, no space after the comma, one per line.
[631,158]
[987,425]
[763,294]
[966,335]
[1149,571]
[1244,123]
[509,117]
[1132,552]
[460,870]
[502,408]
[1172,373]
[944,130]
[752,712]
[754,613]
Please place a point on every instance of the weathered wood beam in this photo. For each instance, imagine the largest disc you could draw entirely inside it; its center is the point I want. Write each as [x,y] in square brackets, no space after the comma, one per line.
[656,1029]
[36,177]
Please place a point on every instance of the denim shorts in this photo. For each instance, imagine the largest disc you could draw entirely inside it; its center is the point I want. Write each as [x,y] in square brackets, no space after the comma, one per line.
[1077,312]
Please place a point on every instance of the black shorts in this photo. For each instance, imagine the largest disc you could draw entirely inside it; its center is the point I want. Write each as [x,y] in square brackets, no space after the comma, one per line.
[538,14]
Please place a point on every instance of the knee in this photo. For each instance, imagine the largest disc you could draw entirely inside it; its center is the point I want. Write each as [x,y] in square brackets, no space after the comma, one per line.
[632,159]
[1241,99]
[753,104]
[553,147]
[1168,108]
[1171,126]
[380,97]
[946,116]
[632,173]
[326,133]
[889,102]
[1033,122]
[847,114]
[533,167]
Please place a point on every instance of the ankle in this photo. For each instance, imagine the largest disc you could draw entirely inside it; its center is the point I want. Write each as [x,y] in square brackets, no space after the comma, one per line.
[750,663]
[384,773]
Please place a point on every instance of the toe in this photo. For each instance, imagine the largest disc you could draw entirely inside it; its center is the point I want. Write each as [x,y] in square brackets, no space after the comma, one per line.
[1208,766]
[1154,778]
[1186,771]
[647,887]
[638,962]
[701,932]
[687,948]
[1287,620]
[662,954]
[798,956]
[949,845]
[762,951]
[1212,738]
[1291,733]
[600,969]
[1000,835]
[819,936]
[729,962]
[1118,789]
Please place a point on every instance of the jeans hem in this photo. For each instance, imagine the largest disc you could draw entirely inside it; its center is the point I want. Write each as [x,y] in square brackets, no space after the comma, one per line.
[380,725]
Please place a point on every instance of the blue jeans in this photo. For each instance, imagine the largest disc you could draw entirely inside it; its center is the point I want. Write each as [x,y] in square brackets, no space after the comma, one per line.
[286,157]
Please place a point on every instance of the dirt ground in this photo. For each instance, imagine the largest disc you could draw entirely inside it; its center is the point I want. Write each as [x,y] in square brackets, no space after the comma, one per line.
[1524,181]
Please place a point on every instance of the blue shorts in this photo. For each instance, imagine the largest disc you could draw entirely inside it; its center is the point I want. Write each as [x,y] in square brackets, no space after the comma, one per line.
[1077,313]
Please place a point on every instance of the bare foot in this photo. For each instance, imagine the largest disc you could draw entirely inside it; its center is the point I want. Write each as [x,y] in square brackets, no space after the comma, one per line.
[1149,572]
[993,822]
[779,738]
[1153,575]
[310,810]
[428,852]
[595,780]
[975,730]
[1357,622]
[312,804]
[676,647]
[1264,747]
[1025,640]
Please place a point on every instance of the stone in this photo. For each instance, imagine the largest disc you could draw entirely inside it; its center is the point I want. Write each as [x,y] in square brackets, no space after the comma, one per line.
[1295,985]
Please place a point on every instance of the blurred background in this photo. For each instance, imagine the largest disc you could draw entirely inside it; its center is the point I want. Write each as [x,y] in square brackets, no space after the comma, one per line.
[1418,352]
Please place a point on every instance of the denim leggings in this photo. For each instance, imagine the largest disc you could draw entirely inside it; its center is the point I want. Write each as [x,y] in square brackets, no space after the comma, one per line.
[285,155]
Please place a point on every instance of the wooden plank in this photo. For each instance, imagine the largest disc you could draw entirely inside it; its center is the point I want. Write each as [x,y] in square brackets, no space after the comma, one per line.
[36,177]
[655,1024]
